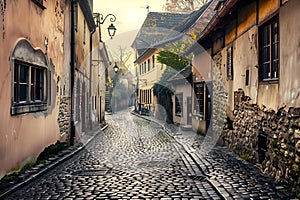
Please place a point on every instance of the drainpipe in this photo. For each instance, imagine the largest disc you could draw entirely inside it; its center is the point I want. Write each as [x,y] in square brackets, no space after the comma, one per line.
[72,71]
[91,74]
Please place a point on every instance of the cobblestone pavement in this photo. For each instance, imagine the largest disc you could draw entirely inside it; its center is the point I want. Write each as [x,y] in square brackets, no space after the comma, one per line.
[135,159]
[132,159]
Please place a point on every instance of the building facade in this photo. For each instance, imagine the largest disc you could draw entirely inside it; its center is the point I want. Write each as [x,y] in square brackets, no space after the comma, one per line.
[32,55]
[254,48]
[36,77]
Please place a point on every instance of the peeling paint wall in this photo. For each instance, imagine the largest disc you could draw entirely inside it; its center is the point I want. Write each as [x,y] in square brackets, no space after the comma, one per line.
[26,135]
[185,90]
[289,90]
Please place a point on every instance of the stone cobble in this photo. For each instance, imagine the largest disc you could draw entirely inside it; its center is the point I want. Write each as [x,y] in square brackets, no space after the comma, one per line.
[132,159]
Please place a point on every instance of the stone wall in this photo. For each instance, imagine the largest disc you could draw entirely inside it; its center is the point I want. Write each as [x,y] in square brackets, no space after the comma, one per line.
[269,139]
[64,118]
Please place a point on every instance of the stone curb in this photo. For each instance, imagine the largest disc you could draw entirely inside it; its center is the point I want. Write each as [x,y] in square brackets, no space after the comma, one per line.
[49,167]
[224,194]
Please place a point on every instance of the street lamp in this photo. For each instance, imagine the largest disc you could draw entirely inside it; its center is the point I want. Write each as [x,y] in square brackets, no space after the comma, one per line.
[111,30]
[100,19]
[116,68]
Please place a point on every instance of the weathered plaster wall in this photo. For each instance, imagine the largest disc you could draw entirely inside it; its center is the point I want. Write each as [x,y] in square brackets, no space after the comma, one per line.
[246,17]
[202,71]
[289,90]
[185,89]
[266,8]
[26,135]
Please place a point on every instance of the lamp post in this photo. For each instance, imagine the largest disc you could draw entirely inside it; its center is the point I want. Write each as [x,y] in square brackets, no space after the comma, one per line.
[116,68]
[100,19]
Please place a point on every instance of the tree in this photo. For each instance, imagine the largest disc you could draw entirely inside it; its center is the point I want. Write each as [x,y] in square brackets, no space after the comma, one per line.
[161,89]
[183,6]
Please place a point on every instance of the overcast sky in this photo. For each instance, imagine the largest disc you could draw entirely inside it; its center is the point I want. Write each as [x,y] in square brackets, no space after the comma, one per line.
[130,13]
[130,16]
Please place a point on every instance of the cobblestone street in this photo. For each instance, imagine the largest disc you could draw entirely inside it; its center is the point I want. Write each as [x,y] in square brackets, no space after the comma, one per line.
[135,159]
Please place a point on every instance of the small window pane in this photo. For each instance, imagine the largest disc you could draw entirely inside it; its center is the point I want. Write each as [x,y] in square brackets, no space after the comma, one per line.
[23,74]
[23,92]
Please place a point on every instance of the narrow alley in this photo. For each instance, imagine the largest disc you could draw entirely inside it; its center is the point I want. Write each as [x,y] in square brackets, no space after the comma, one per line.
[136,159]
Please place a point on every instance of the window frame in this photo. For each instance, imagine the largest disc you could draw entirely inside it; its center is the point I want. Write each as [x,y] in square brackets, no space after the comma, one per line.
[31,103]
[179,104]
[273,74]
[199,108]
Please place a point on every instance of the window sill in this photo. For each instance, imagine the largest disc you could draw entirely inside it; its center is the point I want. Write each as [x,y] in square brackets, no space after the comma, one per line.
[22,108]
[269,81]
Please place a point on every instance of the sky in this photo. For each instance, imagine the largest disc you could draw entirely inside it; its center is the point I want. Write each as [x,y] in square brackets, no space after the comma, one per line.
[130,15]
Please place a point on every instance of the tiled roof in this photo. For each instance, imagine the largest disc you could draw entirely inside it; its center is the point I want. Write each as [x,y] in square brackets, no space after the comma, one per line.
[195,23]
[157,27]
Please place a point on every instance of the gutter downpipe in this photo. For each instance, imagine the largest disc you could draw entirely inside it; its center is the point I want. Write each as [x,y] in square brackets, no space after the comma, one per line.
[72,71]
[91,74]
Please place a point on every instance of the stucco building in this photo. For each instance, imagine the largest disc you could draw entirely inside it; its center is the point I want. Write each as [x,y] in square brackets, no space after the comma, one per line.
[36,76]
[32,59]
[155,29]
[252,48]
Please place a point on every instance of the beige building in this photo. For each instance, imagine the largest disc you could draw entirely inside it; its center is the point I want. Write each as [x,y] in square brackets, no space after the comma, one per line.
[32,63]
[36,99]
[252,49]
[155,29]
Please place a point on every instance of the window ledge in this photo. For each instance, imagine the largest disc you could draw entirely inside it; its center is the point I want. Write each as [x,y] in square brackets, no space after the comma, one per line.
[21,109]
[269,81]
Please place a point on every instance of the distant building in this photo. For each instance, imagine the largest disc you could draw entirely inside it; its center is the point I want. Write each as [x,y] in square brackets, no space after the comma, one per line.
[155,29]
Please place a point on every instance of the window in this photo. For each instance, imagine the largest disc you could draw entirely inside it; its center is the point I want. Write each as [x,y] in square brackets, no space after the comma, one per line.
[199,98]
[28,87]
[230,63]
[29,84]
[145,67]
[247,77]
[149,67]
[269,51]
[84,31]
[153,61]
[178,104]
[140,69]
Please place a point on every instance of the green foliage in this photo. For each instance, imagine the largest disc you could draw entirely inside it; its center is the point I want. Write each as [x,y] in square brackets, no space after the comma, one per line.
[173,60]
[29,163]
[246,155]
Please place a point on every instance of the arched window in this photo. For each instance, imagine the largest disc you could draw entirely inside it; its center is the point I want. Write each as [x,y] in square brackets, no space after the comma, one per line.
[29,80]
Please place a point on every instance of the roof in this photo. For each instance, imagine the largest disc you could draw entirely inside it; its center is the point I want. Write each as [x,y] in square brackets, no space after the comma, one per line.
[194,23]
[182,74]
[156,27]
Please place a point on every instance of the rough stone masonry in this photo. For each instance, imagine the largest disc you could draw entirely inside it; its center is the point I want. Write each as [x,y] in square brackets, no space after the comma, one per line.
[269,139]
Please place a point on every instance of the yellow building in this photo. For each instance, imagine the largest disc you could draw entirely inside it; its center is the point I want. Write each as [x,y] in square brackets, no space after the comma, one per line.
[155,29]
